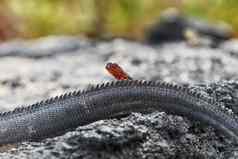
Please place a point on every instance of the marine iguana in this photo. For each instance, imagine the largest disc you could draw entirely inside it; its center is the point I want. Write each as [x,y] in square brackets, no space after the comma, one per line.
[60,114]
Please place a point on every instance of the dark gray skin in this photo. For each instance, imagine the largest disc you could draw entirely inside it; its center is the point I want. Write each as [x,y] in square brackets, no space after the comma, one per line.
[58,115]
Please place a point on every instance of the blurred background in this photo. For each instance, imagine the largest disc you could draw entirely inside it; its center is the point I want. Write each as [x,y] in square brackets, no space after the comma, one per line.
[49,47]
[102,19]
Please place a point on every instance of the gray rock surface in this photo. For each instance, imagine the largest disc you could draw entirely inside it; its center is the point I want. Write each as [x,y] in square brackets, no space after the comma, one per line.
[26,78]
[42,47]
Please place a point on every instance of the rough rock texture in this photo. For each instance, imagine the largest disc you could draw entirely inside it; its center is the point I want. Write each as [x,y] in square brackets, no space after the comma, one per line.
[26,78]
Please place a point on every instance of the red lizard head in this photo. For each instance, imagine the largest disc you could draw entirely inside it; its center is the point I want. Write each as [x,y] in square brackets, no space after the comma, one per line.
[117,72]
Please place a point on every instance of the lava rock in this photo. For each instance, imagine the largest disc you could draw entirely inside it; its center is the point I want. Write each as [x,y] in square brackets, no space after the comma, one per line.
[43,47]
[210,71]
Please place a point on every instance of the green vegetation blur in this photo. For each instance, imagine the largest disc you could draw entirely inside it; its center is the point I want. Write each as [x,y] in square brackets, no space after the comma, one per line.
[101,18]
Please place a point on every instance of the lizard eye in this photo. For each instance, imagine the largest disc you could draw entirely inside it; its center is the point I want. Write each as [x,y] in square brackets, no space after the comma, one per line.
[109,65]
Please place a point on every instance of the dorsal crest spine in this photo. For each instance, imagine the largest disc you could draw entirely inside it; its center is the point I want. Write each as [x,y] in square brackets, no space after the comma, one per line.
[107,85]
